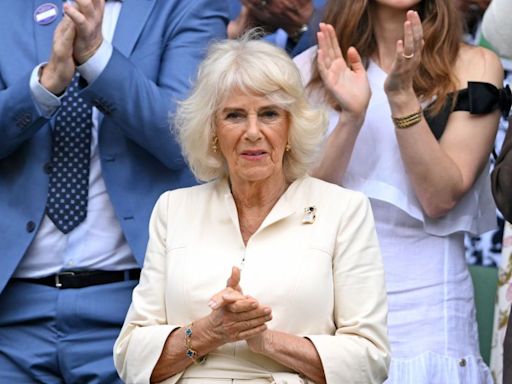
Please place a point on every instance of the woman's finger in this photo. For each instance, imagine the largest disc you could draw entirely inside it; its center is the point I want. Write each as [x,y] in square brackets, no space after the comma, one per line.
[408,42]
[327,46]
[224,297]
[334,41]
[354,60]
[417,30]
[244,325]
[234,279]
[252,332]
[323,47]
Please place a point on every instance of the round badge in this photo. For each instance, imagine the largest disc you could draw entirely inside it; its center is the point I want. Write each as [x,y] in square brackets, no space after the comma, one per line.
[45,13]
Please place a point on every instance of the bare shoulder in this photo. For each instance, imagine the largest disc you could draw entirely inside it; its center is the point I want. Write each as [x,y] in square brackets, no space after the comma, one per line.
[478,64]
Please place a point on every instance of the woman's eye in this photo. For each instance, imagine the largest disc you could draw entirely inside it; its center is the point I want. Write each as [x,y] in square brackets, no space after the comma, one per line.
[270,114]
[234,116]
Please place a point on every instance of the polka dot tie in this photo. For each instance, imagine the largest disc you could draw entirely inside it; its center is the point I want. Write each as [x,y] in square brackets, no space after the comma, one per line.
[69,178]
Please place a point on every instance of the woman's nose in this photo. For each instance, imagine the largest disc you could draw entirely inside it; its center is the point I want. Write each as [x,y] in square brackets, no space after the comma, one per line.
[253,131]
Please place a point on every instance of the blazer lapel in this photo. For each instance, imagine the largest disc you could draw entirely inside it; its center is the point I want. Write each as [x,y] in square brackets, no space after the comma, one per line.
[132,19]
[44,33]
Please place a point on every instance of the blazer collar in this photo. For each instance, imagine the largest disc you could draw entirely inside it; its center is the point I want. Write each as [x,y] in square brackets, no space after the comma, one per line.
[132,19]
[283,208]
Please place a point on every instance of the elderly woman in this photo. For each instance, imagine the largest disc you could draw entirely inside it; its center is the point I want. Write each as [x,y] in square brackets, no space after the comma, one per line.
[305,298]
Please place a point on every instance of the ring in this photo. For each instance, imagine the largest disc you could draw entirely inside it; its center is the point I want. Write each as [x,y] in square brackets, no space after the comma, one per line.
[408,57]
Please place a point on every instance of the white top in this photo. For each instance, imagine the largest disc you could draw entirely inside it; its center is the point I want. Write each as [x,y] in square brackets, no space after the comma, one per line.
[431,322]
[323,280]
[376,168]
[98,242]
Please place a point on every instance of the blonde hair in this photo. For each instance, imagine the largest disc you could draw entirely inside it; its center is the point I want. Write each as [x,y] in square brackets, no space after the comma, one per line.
[254,67]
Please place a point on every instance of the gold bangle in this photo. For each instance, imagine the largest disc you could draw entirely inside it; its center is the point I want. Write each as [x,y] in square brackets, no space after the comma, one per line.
[407,121]
[192,353]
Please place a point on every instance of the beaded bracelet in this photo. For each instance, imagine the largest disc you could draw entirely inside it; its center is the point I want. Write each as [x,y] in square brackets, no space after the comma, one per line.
[407,121]
[192,353]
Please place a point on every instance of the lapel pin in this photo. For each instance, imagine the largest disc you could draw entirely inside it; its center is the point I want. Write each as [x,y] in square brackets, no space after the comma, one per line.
[309,215]
[45,14]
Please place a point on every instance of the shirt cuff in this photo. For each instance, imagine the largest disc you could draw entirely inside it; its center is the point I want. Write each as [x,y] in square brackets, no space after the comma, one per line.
[92,68]
[45,101]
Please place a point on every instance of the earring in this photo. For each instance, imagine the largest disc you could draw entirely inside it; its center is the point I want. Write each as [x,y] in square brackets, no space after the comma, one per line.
[288,147]
[214,143]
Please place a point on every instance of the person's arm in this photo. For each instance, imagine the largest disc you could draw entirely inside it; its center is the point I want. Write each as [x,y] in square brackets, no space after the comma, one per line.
[141,107]
[441,172]
[234,317]
[295,352]
[358,351]
[348,83]
[21,114]
[501,177]
[148,347]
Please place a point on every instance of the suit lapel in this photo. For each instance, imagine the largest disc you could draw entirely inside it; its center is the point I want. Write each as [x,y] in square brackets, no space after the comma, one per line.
[132,19]
[44,33]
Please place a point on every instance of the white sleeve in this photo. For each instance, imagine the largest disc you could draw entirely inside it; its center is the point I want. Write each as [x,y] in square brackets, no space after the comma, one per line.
[145,329]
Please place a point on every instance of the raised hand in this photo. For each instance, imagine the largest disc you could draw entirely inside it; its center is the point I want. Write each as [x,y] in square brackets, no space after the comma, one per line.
[87,16]
[408,57]
[346,80]
[59,71]
[234,315]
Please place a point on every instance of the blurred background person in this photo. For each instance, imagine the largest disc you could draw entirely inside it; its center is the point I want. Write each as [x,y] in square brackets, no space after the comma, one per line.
[310,303]
[289,24]
[413,116]
[497,31]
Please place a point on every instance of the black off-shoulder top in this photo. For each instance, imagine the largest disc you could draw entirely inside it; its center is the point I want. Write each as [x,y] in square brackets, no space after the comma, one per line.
[478,98]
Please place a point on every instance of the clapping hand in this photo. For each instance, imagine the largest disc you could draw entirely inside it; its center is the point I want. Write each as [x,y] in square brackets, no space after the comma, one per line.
[87,16]
[236,316]
[59,71]
[408,57]
[346,80]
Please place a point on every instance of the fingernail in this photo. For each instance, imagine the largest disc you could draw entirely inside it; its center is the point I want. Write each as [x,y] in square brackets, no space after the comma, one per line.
[212,304]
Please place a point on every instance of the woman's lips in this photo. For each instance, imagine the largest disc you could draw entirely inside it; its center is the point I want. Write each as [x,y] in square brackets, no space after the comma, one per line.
[253,154]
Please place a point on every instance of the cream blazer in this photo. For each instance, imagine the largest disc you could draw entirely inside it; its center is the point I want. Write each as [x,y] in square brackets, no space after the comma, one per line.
[323,279]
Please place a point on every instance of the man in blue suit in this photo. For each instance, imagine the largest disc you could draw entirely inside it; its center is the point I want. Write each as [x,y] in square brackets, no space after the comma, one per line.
[82,161]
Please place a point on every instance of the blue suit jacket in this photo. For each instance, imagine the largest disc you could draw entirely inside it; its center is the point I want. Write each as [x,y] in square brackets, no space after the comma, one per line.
[157,47]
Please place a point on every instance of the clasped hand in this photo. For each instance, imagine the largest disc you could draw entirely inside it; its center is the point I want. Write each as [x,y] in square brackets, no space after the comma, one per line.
[77,37]
[236,316]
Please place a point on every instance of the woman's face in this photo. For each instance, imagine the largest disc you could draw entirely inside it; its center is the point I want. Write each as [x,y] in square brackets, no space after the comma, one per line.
[252,136]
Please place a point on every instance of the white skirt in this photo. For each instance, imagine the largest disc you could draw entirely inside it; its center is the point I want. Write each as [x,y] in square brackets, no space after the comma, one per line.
[431,322]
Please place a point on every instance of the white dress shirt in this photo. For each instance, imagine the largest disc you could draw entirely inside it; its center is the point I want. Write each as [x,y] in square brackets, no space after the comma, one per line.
[98,242]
